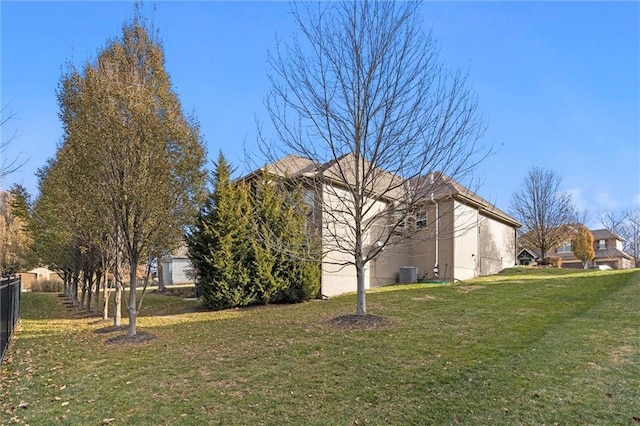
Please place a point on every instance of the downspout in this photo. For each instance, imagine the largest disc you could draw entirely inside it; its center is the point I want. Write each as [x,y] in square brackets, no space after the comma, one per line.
[478,271]
[435,268]
[515,247]
[437,257]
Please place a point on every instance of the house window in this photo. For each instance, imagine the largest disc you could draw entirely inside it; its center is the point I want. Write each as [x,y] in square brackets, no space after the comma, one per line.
[602,244]
[309,197]
[564,248]
[310,201]
[400,221]
[421,219]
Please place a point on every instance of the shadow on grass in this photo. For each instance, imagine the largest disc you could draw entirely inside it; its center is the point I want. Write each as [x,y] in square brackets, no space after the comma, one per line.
[123,339]
[360,322]
[110,329]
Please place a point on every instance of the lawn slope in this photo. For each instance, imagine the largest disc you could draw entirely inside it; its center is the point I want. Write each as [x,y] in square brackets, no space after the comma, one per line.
[522,347]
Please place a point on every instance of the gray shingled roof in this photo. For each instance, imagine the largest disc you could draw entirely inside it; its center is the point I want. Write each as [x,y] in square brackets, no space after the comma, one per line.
[611,253]
[604,234]
[441,187]
[292,166]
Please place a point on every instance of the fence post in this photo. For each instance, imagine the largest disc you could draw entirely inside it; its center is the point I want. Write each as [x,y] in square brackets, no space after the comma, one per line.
[10,293]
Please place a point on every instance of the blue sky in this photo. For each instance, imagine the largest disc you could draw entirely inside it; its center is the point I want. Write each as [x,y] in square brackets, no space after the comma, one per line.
[559,82]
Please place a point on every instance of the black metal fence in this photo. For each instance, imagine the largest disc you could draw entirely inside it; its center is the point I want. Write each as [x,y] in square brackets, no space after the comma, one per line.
[9,310]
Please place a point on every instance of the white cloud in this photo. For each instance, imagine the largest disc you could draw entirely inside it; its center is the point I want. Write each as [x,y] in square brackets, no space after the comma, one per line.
[605,201]
[578,199]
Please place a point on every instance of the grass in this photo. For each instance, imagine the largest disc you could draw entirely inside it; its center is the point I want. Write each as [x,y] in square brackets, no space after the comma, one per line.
[522,347]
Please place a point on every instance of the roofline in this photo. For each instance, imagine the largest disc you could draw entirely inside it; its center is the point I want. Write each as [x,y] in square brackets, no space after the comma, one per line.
[472,199]
[487,208]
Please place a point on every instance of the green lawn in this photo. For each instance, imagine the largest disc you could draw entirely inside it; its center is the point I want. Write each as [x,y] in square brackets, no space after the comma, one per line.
[522,347]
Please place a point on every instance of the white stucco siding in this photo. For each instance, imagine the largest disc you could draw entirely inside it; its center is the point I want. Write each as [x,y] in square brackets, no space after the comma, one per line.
[338,241]
[175,271]
[181,267]
[618,244]
[497,246]
[465,244]
[167,271]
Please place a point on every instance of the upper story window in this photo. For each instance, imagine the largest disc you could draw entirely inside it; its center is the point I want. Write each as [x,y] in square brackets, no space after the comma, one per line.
[564,248]
[421,219]
[602,244]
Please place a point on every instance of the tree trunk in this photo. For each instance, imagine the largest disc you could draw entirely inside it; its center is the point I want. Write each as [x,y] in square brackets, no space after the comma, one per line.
[89,281]
[74,289]
[161,286]
[133,313]
[106,292]
[117,315]
[117,312]
[83,294]
[361,308]
[97,292]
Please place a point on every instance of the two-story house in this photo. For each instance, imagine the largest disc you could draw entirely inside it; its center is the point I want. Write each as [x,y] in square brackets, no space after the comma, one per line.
[607,247]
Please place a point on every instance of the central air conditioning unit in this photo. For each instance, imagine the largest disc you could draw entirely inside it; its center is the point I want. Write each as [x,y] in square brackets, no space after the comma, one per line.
[408,274]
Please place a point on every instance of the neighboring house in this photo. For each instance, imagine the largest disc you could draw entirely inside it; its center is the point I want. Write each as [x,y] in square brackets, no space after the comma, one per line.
[176,267]
[608,251]
[38,275]
[607,247]
[458,235]
[528,257]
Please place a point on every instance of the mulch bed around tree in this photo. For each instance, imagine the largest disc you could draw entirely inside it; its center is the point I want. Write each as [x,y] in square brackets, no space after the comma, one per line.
[360,322]
[138,338]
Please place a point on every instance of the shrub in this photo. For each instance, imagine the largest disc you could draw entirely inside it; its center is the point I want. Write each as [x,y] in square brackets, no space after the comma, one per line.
[47,286]
[553,261]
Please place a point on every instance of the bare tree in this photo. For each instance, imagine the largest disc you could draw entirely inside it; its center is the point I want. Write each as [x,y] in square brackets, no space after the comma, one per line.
[626,225]
[7,166]
[362,94]
[632,233]
[613,221]
[544,211]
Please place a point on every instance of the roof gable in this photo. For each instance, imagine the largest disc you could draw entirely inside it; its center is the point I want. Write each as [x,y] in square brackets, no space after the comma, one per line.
[442,186]
[533,253]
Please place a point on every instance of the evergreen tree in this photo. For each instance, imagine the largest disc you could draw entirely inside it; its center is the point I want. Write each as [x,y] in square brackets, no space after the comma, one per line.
[266,277]
[20,202]
[300,261]
[286,247]
[253,246]
[219,242]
